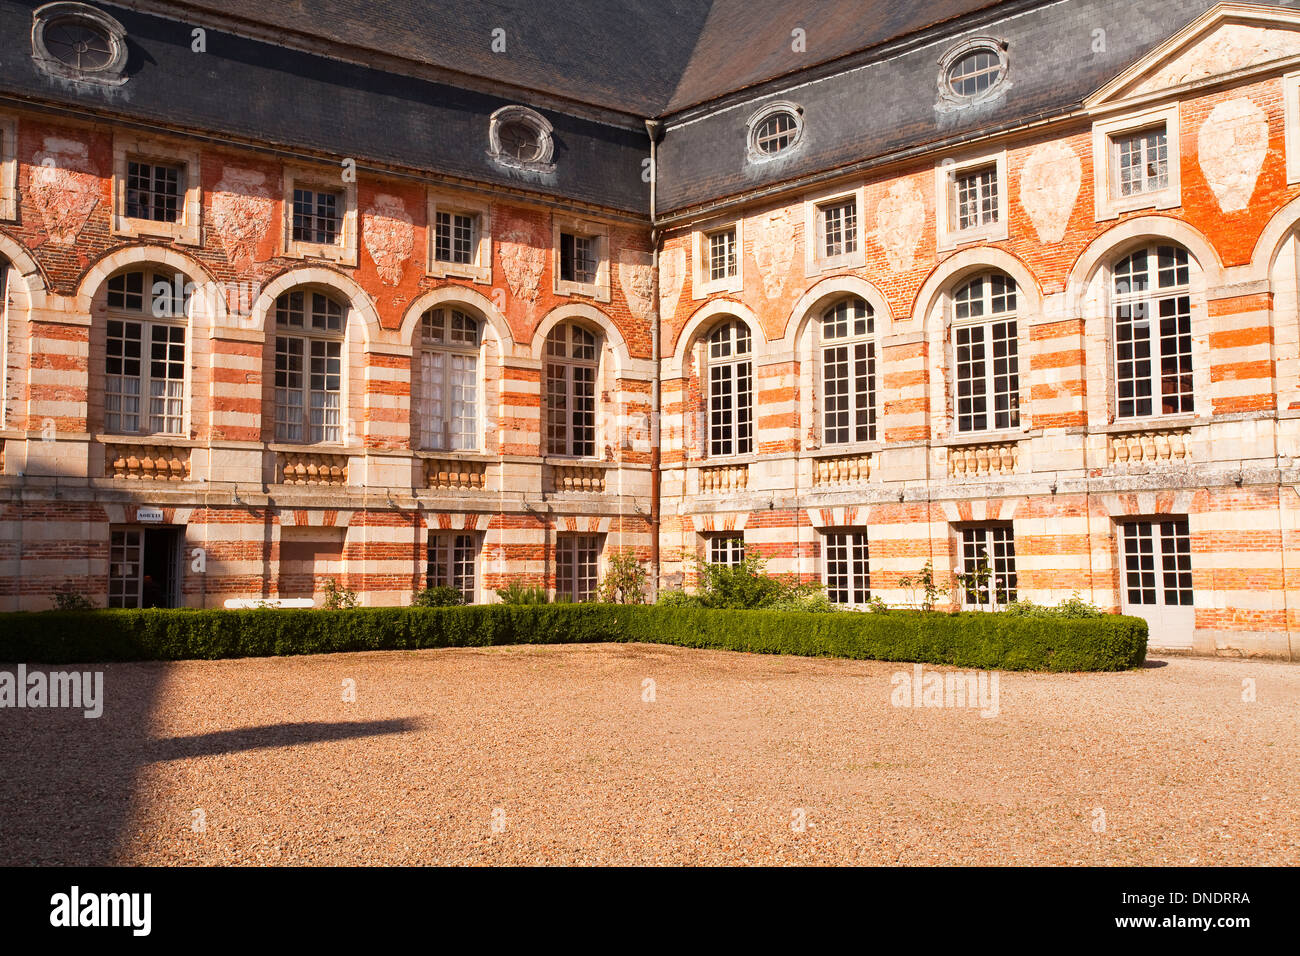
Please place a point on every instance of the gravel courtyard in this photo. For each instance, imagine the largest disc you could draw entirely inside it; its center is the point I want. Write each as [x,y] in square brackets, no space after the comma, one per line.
[550,755]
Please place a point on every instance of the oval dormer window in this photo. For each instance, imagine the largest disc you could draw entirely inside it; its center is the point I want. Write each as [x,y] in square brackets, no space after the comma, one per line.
[973,72]
[521,138]
[774,131]
[79,42]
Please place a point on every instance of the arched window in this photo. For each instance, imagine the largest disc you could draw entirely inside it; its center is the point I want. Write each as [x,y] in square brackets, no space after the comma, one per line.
[448,400]
[144,353]
[308,367]
[986,353]
[1153,333]
[731,390]
[572,358]
[848,373]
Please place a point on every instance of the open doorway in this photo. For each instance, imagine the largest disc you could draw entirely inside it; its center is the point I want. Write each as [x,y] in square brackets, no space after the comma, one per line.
[144,567]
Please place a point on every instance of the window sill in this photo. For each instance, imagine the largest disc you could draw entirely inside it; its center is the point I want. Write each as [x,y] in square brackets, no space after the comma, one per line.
[982,438]
[563,461]
[1160,423]
[454,270]
[340,255]
[453,453]
[318,448]
[966,237]
[846,451]
[591,290]
[178,441]
[180,232]
[1112,208]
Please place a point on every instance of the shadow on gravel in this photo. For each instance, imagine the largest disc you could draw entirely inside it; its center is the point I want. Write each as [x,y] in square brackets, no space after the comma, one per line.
[67,783]
[1148,664]
[274,735]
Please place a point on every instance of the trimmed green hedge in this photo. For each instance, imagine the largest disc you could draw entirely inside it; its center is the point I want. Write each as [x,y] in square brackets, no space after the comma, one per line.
[978,640]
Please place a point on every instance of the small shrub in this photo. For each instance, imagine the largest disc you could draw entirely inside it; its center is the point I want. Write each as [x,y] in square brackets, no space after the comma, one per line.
[68,598]
[440,596]
[676,598]
[624,582]
[1074,608]
[930,589]
[877,605]
[338,598]
[518,593]
[745,586]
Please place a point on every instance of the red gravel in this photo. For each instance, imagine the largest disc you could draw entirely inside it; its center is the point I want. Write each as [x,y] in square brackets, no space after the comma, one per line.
[558,741]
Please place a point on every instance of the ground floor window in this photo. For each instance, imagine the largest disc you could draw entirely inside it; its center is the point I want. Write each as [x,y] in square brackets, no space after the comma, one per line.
[144,567]
[848,570]
[726,549]
[1158,562]
[988,566]
[453,563]
[576,560]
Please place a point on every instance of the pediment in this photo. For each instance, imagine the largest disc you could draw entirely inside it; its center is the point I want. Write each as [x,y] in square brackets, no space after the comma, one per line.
[1230,38]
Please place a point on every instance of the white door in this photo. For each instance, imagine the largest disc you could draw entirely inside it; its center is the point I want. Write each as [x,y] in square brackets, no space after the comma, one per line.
[1156,580]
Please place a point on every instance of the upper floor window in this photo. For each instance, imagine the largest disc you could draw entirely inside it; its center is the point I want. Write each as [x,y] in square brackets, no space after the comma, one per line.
[839,227]
[316,217]
[722,254]
[985,343]
[975,197]
[308,367]
[848,373]
[731,390]
[1141,161]
[1153,333]
[144,354]
[578,259]
[453,238]
[448,397]
[572,359]
[154,191]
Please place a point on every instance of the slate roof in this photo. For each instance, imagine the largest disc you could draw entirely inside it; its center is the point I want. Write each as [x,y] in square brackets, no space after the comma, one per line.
[867,80]
[644,57]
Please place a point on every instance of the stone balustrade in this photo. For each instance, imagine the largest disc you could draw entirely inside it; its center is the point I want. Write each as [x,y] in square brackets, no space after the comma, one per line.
[455,475]
[723,479]
[1150,446]
[577,478]
[147,462]
[845,470]
[974,461]
[294,468]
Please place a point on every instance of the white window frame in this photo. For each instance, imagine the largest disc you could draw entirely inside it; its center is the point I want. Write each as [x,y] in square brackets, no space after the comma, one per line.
[566,365]
[725,547]
[461,549]
[308,335]
[734,368]
[569,550]
[1152,298]
[857,401]
[985,321]
[983,539]
[8,168]
[479,268]
[815,259]
[856,548]
[703,285]
[1105,133]
[1291,125]
[187,230]
[1155,528]
[148,322]
[343,250]
[449,350]
[598,233]
[754,153]
[946,173]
